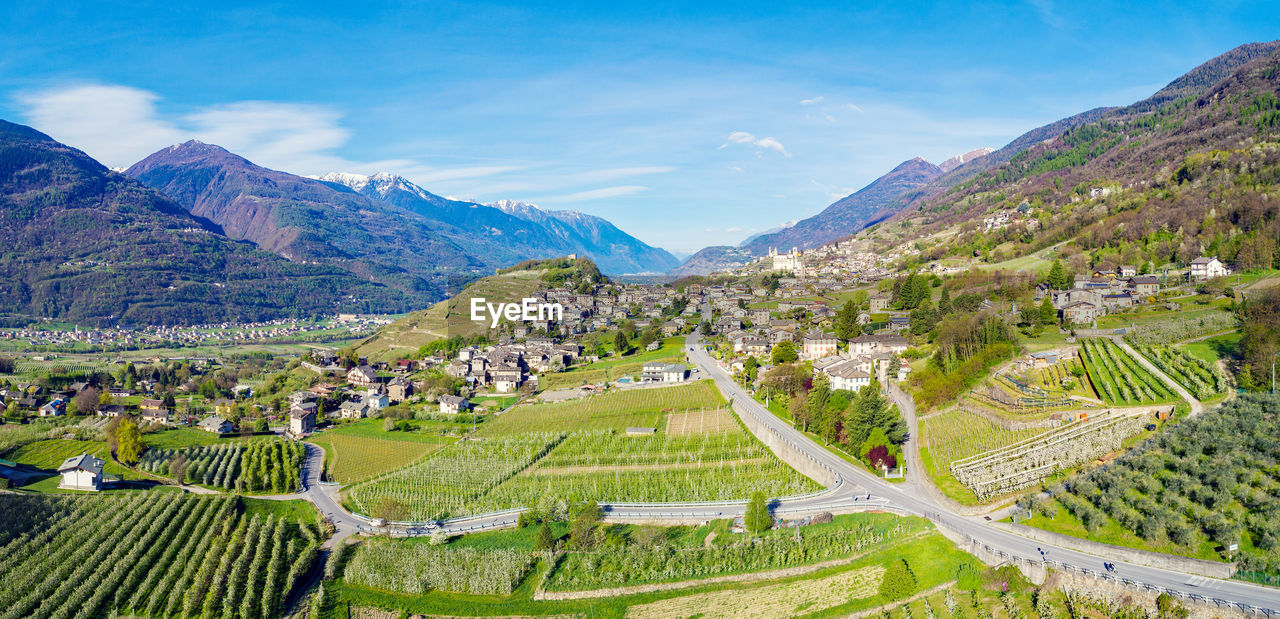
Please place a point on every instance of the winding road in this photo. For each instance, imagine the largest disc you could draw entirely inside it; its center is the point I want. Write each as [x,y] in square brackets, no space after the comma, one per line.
[853,488]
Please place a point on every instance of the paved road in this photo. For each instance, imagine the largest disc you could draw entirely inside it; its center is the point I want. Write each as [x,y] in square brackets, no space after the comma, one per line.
[855,488]
[324,497]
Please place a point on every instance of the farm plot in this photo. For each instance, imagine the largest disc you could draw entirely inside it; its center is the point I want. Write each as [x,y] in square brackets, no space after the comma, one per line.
[351,458]
[152,555]
[1119,378]
[417,569]
[716,421]
[1172,329]
[615,410]
[781,600]
[453,481]
[1026,463]
[956,434]
[1203,379]
[273,465]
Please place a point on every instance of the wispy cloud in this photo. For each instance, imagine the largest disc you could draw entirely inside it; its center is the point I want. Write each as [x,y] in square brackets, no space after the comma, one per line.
[120,125]
[595,194]
[813,101]
[763,144]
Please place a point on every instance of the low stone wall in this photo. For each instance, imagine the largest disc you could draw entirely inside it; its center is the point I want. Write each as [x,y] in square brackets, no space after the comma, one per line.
[1212,569]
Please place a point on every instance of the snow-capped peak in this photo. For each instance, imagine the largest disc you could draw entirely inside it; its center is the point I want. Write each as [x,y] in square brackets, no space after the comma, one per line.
[380,182]
[356,182]
[514,207]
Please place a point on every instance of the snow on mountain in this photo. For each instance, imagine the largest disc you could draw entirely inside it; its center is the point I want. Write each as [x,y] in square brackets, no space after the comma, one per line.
[962,159]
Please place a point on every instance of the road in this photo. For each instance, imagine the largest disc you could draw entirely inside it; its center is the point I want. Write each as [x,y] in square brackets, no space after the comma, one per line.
[854,488]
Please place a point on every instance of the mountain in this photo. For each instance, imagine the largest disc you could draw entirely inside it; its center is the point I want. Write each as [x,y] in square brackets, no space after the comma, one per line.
[310,221]
[713,259]
[91,246]
[959,160]
[1192,170]
[515,230]
[851,213]
[612,249]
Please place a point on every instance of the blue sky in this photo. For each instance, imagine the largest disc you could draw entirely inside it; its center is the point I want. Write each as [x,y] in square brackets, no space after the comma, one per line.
[687,124]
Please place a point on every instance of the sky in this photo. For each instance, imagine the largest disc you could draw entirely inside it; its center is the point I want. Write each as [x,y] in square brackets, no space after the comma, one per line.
[686,124]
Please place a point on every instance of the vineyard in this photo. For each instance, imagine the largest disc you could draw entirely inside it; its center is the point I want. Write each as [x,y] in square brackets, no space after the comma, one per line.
[1119,378]
[1212,480]
[494,474]
[956,434]
[148,554]
[454,480]
[667,562]
[416,569]
[260,466]
[1027,462]
[615,410]
[351,458]
[1203,379]
[1170,331]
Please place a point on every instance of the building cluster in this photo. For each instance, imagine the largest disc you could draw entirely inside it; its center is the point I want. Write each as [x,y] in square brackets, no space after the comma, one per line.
[154,336]
[506,367]
[1100,294]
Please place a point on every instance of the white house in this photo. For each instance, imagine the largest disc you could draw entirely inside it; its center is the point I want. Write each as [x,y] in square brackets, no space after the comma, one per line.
[663,372]
[848,376]
[82,472]
[1208,268]
[453,404]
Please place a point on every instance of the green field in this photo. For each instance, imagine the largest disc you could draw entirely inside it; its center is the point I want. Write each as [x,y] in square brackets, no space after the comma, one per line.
[178,438]
[1215,348]
[576,450]
[361,450]
[672,351]
[849,584]
[613,410]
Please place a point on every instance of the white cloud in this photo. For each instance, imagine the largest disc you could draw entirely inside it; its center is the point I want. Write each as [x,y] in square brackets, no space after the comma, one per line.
[851,107]
[120,125]
[597,194]
[812,101]
[116,125]
[763,144]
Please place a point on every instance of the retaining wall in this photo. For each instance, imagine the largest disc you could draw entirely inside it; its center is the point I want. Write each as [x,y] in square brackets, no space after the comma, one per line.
[785,450]
[1212,569]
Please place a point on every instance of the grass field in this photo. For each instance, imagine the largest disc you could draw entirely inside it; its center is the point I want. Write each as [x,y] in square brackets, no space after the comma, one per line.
[704,421]
[1214,348]
[178,438]
[829,591]
[613,368]
[614,410]
[361,450]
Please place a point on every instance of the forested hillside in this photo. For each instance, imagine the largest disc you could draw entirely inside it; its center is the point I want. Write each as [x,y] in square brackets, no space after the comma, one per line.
[84,244]
[1165,180]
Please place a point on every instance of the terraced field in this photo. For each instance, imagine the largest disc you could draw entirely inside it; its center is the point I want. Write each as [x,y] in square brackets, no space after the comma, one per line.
[615,410]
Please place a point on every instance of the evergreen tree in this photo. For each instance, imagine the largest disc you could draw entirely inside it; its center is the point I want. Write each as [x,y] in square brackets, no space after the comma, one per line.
[944,302]
[846,322]
[546,539]
[1057,278]
[899,581]
[784,352]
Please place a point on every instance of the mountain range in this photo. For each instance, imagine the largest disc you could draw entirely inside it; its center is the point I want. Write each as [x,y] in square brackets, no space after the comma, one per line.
[916,185]
[88,245]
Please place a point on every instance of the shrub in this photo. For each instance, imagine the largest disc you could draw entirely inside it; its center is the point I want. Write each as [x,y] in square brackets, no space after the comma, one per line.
[899,581]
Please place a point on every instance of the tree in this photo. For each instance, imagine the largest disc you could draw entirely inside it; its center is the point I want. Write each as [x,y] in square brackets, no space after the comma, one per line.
[620,343]
[582,529]
[169,401]
[260,425]
[846,322]
[783,352]
[546,539]
[87,400]
[178,468]
[757,519]
[128,441]
[750,369]
[1048,315]
[944,302]
[389,509]
[705,328]
[898,581]
[1058,277]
